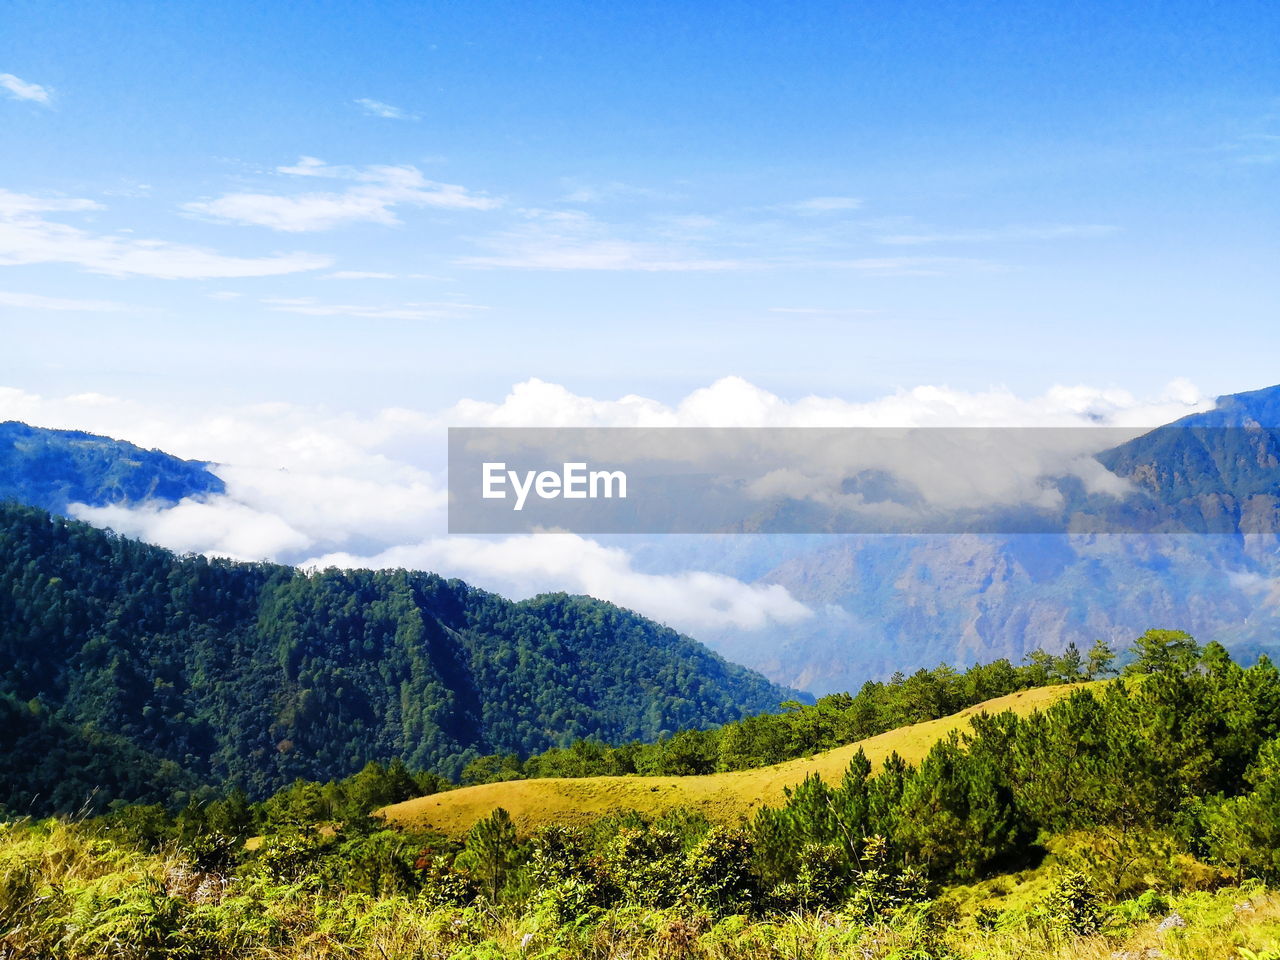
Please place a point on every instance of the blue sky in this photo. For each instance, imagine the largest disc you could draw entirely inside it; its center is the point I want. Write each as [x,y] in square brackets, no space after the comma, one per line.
[407,204]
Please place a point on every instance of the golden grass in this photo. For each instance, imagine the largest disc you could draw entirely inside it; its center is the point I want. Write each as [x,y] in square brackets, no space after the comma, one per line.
[721,797]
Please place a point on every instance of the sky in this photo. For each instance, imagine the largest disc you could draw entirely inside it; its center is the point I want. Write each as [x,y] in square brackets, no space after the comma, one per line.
[302,239]
[407,204]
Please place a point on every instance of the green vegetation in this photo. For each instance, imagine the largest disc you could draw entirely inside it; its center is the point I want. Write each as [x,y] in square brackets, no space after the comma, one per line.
[801,730]
[724,798]
[127,673]
[69,892]
[1137,818]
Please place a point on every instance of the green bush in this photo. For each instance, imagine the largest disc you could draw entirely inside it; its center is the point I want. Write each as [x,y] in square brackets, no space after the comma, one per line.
[1073,906]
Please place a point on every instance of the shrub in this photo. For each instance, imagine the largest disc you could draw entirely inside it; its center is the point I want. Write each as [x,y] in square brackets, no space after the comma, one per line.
[1073,907]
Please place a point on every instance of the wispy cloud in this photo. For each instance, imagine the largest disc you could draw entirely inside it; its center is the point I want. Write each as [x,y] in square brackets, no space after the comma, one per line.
[819,205]
[28,237]
[14,205]
[35,301]
[1255,149]
[613,190]
[921,266]
[19,89]
[826,311]
[360,275]
[376,108]
[1013,233]
[575,241]
[311,307]
[375,193]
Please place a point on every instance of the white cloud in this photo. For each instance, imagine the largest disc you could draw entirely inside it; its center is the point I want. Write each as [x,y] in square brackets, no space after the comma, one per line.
[13,205]
[571,240]
[691,601]
[219,527]
[735,402]
[19,89]
[35,301]
[360,275]
[373,197]
[818,205]
[308,485]
[376,108]
[26,237]
[1058,231]
[309,306]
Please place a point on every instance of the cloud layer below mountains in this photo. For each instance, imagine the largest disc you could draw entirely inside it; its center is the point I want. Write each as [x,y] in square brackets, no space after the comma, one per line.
[315,487]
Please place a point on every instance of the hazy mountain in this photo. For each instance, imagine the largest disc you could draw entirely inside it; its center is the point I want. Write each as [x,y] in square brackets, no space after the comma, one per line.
[54,468]
[888,603]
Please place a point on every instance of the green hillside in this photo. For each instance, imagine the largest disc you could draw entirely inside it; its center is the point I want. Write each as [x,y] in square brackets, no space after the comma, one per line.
[258,674]
[1139,817]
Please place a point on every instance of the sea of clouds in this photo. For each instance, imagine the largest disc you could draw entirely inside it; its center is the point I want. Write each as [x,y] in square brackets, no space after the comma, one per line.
[318,487]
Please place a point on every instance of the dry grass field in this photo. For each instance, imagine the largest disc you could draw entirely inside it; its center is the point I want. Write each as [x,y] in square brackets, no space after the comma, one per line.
[721,797]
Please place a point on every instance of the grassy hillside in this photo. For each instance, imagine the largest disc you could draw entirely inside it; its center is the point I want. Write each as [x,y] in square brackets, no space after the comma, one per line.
[721,797]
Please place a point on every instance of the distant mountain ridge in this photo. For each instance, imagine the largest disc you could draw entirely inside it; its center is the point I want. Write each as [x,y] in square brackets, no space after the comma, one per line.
[52,469]
[259,673]
[904,602]
[1220,470]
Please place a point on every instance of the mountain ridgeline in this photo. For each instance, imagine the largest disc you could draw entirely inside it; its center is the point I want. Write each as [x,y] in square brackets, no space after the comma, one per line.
[1209,484]
[55,468]
[188,669]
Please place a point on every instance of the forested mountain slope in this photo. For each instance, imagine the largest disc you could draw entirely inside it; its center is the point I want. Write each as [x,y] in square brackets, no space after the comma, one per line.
[55,468]
[260,673]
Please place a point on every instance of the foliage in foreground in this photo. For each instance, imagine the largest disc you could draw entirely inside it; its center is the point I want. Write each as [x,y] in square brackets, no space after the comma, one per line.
[1147,813]
[67,892]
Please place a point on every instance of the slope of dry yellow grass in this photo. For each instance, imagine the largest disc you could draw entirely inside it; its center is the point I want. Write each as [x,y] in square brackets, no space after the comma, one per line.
[722,797]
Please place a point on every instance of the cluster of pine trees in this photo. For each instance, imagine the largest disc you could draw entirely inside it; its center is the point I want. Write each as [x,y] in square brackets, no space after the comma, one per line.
[1178,758]
[801,730]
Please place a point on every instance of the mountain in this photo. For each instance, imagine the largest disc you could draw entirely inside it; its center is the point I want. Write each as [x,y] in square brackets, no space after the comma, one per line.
[889,603]
[260,673]
[54,468]
[1218,471]
[902,603]
[884,603]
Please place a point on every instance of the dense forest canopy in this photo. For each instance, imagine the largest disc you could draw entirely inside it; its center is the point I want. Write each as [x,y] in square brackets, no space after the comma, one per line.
[173,670]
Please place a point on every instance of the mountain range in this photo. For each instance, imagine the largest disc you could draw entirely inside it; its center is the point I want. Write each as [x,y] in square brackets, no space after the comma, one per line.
[887,603]
[900,602]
